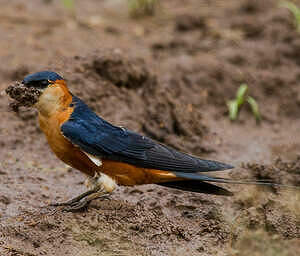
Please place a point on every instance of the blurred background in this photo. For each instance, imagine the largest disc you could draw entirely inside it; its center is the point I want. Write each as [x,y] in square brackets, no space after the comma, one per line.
[217,79]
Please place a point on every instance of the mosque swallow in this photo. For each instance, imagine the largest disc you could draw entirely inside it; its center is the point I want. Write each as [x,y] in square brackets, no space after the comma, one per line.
[111,155]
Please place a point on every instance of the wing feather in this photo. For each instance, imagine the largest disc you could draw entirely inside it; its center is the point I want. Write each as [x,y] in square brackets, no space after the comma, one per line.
[99,138]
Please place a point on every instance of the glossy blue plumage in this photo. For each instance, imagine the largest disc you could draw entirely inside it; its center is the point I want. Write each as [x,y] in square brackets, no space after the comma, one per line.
[98,137]
[39,76]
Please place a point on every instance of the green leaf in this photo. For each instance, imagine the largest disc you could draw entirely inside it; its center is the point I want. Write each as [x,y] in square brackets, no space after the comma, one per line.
[240,96]
[254,108]
[233,109]
[294,9]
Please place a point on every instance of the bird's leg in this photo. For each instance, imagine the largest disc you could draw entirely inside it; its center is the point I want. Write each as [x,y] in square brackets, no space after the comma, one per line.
[93,186]
[100,187]
[75,199]
[79,205]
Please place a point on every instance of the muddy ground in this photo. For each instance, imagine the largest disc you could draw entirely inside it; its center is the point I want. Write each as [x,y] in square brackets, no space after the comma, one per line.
[168,77]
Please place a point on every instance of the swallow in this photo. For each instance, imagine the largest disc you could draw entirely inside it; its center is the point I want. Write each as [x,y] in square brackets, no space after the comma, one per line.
[111,155]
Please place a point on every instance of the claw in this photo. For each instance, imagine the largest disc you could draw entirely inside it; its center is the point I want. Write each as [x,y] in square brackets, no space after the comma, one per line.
[80,202]
[75,199]
[76,206]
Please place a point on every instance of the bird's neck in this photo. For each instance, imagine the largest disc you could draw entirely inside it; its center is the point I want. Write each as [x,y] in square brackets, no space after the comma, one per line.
[54,99]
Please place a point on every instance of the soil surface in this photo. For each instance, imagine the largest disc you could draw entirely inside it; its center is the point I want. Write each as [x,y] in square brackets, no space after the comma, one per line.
[169,77]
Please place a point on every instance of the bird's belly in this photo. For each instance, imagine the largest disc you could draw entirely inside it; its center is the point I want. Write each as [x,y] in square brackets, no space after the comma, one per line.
[74,157]
[70,154]
[128,175]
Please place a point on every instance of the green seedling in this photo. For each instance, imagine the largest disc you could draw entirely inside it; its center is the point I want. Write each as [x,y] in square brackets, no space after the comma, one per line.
[235,105]
[68,4]
[295,10]
[139,8]
[254,108]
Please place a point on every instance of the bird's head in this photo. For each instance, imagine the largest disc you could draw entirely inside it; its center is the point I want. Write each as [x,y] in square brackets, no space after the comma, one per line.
[53,92]
[41,80]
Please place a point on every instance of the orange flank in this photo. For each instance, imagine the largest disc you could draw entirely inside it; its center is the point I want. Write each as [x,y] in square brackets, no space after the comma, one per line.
[126,174]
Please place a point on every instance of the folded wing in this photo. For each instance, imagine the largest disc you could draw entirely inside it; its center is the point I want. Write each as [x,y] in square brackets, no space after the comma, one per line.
[99,138]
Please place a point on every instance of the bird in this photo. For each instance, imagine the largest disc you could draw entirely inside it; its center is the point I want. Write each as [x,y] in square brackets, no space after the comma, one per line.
[110,155]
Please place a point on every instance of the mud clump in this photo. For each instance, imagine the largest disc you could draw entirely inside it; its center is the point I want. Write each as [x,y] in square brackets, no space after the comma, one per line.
[189,22]
[22,96]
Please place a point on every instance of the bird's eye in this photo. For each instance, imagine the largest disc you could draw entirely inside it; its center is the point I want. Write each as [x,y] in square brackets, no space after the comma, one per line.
[40,84]
[44,83]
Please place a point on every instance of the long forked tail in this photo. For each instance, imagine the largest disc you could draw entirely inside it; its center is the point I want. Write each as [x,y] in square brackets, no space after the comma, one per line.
[197,186]
[196,182]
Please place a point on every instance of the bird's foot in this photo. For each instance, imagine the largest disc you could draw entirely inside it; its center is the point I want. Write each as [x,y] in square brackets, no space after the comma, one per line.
[100,187]
[80,202]
[75,199]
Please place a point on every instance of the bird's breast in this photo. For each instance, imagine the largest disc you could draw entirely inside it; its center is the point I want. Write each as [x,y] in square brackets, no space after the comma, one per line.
[62,147]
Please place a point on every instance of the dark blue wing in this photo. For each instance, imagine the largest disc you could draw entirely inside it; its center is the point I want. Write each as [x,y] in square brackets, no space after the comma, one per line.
[98,137]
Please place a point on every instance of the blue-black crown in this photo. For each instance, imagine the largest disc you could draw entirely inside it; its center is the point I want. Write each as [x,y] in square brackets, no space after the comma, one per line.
[40,76]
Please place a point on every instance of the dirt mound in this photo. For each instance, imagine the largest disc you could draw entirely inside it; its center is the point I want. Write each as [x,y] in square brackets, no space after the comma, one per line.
[116,67]
[190,22]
